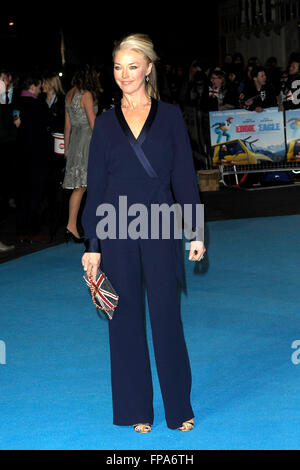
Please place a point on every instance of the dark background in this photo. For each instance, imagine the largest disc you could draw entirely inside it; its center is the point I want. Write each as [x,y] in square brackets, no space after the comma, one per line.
[179,35]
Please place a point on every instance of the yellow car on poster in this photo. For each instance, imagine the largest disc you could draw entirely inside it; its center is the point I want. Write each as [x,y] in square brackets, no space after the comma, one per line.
[293,151]
[237,152]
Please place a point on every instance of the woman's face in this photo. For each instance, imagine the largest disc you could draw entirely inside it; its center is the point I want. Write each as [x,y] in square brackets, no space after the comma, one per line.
[46,86]
[130,70]
[216,81]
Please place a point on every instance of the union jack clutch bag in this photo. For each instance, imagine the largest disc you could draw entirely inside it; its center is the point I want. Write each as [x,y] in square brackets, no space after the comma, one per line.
[103,294]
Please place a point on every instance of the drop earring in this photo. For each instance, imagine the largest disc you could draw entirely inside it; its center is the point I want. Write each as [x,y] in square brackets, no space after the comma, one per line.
[147,78]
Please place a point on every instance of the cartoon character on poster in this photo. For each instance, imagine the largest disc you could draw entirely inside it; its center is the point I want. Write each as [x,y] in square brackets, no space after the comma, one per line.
[222,129]
[292,119]
[294,126]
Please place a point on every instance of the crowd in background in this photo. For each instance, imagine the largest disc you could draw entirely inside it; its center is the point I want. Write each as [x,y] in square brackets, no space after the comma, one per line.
[235,83]
[32,109]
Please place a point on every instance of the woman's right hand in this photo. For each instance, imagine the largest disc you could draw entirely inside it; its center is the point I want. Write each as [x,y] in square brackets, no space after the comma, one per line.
[17,122]
[90,263]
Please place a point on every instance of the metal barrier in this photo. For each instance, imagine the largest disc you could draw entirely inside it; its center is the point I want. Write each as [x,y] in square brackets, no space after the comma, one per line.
[227,170]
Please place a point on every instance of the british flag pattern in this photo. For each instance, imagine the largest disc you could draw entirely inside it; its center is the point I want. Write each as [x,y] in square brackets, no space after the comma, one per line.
[104,295]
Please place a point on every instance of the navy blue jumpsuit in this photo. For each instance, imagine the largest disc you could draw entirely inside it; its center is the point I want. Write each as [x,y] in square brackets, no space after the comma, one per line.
[115,170]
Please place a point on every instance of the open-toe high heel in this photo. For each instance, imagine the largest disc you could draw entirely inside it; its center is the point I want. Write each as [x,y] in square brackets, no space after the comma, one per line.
[187,425]
[142,428]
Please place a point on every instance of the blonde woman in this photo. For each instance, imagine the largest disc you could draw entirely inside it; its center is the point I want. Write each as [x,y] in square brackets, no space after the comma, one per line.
[55,98]
[142,123]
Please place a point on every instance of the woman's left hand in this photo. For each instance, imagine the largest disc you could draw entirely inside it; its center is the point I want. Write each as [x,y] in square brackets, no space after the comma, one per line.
[197,251]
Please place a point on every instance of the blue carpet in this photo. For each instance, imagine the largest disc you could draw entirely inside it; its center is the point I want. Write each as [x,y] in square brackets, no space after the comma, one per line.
[240,315]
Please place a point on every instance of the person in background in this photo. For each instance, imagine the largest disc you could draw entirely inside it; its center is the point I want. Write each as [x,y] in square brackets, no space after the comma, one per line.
[7,137]
[55,99]
[195,89]
[3,86]
[222,96]
[283,79]
[290,91]
[260,94]
[12,87]
[33,160]
[12,93]
[81,111]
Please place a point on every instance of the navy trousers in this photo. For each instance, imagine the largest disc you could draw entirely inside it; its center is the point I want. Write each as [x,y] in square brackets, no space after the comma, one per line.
[128,263]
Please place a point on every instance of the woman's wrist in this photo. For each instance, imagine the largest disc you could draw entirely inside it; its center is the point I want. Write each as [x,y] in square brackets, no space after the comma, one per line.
[92,245]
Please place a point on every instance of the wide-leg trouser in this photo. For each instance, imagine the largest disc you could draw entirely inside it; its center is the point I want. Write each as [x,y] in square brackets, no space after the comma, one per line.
[127,262]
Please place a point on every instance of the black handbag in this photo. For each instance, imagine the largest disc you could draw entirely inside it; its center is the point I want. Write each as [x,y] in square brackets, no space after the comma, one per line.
[103,294]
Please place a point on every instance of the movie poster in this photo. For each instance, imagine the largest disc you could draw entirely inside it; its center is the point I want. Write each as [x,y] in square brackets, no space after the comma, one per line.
[241,137]
[292,127]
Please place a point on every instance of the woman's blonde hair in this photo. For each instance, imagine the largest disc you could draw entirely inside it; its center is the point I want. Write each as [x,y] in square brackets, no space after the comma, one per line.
[142,43]
[55,82]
